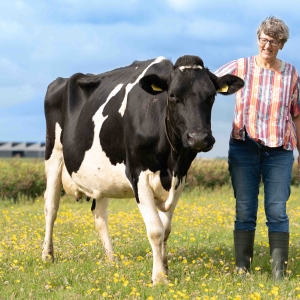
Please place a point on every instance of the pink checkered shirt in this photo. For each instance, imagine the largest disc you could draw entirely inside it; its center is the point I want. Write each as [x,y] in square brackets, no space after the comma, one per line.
[267,103]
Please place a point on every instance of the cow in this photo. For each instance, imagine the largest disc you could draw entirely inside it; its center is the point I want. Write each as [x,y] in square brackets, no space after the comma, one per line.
[132,132]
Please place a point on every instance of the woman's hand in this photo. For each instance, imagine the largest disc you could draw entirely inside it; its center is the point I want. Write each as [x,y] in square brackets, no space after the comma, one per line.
[296,121]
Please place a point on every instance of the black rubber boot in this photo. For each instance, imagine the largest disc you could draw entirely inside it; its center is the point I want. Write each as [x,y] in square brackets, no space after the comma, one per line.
[279,250]
[243,246]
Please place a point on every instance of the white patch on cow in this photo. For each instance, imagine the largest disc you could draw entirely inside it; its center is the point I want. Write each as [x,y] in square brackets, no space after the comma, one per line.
[98,118]
[70,187]
[97,177]
[190,67]
[164,199]
[129,86]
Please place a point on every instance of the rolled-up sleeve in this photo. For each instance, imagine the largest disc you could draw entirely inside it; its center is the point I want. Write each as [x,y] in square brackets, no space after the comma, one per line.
[229,68]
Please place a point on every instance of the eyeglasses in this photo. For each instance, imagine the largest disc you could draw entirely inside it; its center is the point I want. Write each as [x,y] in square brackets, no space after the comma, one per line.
[264,41]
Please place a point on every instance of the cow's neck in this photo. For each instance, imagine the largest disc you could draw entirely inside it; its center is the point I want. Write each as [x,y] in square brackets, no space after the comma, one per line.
[183,162]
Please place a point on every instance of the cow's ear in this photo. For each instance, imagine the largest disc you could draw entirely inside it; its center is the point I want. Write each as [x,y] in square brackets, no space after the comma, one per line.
[153,84]
[227,84]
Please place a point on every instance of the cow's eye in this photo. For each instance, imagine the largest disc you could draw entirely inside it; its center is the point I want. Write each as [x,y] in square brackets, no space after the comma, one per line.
[173,98]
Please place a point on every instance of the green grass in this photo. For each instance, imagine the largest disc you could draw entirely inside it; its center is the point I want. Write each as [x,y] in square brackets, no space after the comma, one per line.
[200,252]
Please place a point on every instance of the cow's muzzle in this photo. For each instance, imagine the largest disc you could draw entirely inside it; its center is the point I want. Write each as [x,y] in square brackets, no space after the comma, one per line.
[200,140]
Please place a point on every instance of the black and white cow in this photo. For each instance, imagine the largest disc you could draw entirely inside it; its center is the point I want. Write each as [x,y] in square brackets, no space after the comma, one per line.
[130,132]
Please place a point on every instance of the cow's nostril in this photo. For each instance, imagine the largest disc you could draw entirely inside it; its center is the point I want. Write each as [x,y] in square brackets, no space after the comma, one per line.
[206,139]
[190,138]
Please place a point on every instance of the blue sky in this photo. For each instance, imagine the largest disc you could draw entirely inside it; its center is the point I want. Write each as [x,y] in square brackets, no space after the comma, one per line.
[42,40]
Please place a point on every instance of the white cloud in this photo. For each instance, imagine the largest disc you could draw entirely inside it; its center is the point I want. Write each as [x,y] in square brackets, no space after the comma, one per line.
[185,5]
[213,29]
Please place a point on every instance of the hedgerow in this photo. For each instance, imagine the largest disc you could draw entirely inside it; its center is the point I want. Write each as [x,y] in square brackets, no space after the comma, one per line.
[26,177]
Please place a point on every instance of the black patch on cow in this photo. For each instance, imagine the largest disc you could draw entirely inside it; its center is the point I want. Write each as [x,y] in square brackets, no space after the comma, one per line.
[165,172]
[89,84]
[112,130]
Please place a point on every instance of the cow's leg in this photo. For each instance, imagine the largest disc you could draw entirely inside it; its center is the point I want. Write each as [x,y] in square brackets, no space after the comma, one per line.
[166,219]
[155,232]
[99,209]
[52,197]
[154,227]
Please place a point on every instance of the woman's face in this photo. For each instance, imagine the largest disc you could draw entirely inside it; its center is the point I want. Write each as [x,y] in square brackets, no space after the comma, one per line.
[268,47]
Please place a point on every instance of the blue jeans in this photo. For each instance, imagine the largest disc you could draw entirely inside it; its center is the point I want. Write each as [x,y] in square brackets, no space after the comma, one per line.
[249,163]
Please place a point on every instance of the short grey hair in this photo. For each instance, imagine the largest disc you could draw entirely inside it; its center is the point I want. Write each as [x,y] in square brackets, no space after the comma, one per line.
[274,28]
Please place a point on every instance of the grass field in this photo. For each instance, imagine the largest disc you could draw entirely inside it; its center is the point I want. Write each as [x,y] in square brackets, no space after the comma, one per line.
[200,252]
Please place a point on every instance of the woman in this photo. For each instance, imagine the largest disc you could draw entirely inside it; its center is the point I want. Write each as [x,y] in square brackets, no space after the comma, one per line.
[266,128]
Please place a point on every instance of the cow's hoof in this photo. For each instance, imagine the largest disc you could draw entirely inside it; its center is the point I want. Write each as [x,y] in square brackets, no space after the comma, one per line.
[48,257]
[161,279]
[111,260]
[48,253]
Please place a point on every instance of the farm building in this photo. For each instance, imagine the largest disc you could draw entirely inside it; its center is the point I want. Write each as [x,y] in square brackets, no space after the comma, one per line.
[14,149]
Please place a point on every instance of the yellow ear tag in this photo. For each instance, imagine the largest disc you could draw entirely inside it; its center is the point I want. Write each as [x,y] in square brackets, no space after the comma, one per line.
[156,88]
[223,89]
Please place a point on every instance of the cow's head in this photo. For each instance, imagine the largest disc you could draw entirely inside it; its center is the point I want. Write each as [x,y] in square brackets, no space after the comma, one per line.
[191,91]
